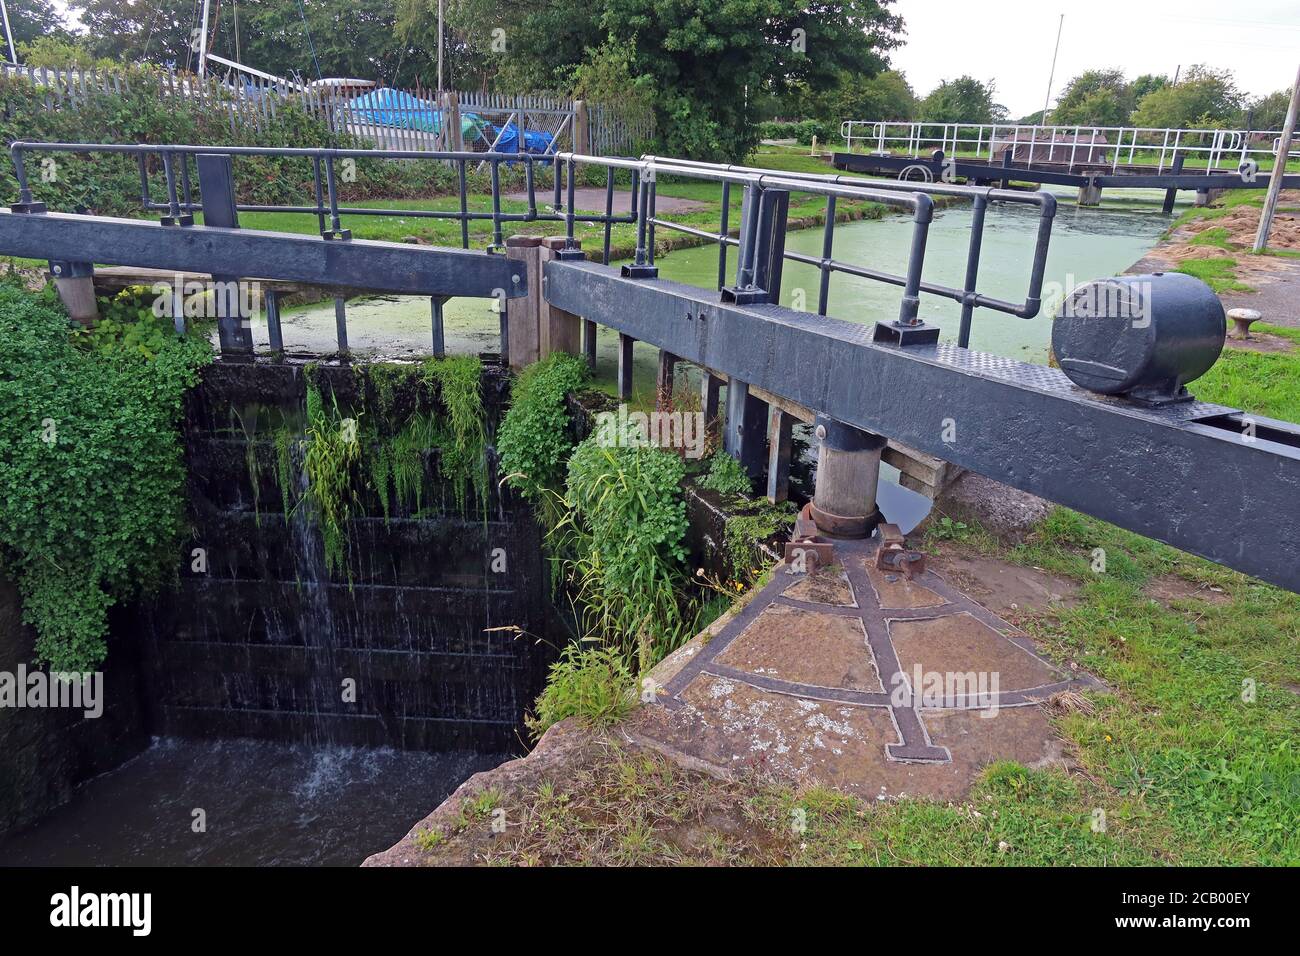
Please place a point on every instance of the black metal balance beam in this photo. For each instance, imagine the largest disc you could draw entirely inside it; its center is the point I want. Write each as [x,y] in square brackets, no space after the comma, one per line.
[1189,474]
[986,171]
[354,263]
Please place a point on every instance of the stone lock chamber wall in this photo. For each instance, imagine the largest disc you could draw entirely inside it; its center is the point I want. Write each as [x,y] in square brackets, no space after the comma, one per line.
[443,650]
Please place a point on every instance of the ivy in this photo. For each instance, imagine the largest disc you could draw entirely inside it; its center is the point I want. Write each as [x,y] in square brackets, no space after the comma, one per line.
[91,466]
[533,441]
[726,477]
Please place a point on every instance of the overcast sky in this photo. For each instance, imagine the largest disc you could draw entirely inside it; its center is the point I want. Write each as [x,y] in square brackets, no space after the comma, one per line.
[1010,42]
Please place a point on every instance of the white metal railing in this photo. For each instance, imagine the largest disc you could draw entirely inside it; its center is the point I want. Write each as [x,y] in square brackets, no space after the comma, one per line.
[1069,146]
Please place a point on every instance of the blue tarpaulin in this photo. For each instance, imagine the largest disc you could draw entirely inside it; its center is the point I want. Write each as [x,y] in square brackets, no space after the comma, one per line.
[401,110]
[534,140]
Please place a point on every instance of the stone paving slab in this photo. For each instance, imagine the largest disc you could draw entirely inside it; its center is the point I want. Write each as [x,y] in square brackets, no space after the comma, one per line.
[777,643]
[812,681]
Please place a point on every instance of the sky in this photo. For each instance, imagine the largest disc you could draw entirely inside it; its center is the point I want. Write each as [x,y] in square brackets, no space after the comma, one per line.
[1010,42]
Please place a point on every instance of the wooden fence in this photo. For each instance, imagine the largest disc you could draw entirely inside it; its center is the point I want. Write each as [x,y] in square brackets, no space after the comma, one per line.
[392,119]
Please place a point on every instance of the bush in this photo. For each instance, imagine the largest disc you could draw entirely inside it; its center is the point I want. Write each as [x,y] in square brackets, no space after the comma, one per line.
[110,184]
[726,477]
[92,466]
[624,529]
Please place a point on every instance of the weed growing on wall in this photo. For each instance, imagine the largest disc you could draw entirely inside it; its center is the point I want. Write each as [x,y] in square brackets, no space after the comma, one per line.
[725,476]
[92,466]
[624,527]
[333,452]
[461,442]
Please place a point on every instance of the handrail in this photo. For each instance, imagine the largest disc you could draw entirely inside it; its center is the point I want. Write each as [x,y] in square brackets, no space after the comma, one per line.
[645,173]
[1063,143]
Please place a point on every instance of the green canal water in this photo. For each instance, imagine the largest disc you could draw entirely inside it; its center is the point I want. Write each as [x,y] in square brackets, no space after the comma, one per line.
[1086,244]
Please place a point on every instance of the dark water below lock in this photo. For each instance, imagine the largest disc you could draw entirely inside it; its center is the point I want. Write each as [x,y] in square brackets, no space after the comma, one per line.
[262,803]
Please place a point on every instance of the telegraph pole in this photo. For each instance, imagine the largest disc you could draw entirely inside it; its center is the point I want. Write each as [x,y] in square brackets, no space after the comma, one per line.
[1279,169]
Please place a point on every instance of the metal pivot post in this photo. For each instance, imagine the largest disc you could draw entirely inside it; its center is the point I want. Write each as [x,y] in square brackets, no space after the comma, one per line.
[848,470]
[641,267]
[762,246]
[217,188]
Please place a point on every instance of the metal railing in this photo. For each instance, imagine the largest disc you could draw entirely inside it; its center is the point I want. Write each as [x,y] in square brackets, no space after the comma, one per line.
[1069,146]
[911,196]
[643,174]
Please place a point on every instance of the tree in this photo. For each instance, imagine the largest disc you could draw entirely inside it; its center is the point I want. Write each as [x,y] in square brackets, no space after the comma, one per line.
[138,32]
[1206,98]
[963,100]
[1269,112]
[711,60]
[1095,98]
[31,20]
[886,96]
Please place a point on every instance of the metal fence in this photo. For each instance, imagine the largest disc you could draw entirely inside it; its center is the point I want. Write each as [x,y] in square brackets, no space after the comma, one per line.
[393,119]
[1068,147]
[763,221]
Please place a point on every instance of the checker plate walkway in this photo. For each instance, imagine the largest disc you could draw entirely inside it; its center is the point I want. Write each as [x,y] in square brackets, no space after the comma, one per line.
[817,678]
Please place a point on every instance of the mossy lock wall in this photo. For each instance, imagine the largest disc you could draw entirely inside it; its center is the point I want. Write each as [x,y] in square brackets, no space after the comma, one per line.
[427,640]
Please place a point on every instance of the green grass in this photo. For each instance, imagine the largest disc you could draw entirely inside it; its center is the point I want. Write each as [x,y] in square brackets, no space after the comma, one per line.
[1216,236]
[447,232]
[1264,383]
[1219,273]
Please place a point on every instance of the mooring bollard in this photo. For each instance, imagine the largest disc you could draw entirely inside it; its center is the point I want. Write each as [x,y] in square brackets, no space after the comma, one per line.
[848,468]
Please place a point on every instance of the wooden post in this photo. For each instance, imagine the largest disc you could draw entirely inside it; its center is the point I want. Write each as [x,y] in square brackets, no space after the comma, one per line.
[1279,170]
[560,331]
[664,381]
[451,121]
[709,390]
[581,128]
[75,283]
[523,315]
[625,343]
[746,427]
[779,445]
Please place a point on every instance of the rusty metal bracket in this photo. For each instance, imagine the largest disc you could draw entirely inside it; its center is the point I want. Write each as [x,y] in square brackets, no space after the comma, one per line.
[894,555]
[804,541]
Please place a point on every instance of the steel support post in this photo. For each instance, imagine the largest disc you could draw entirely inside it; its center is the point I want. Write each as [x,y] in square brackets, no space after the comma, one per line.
[625,343]
[75,283]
